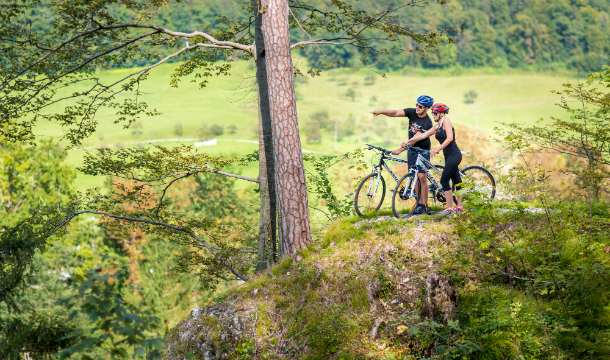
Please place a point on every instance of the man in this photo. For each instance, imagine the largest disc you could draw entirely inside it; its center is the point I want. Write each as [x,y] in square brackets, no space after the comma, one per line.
[419,122]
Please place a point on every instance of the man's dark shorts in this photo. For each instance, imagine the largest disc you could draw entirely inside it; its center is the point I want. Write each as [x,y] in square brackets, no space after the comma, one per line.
[412,158]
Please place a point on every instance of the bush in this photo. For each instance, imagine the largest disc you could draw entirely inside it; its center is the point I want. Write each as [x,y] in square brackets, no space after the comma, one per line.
[351,93]
[217,130]
[178,129]
[322,119]
[312,130]
[204,132]
[232,129]
[470,96]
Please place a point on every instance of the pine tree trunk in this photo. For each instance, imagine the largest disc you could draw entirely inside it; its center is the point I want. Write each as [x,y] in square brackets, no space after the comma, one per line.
[265,214]
[266,155]
[290,174]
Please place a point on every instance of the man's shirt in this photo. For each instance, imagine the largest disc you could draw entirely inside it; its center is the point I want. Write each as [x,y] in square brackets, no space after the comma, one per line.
[418,124]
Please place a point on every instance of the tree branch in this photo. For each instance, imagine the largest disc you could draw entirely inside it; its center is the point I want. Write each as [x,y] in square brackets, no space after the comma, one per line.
[169,226]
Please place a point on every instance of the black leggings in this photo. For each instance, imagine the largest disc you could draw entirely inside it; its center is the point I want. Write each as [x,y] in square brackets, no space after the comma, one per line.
[451,171]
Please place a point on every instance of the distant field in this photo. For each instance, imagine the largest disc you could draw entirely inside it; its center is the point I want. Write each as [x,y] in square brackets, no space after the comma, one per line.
[230,100]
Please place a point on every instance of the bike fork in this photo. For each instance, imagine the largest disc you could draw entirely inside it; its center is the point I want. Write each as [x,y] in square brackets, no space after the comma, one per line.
[376,181]
[411,188]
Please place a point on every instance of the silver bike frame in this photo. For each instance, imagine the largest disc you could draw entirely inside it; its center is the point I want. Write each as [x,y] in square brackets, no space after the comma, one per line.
[422,163]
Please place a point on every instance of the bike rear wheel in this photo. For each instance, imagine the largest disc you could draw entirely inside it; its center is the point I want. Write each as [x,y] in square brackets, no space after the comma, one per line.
[480,180]
[402,201]
[370,194]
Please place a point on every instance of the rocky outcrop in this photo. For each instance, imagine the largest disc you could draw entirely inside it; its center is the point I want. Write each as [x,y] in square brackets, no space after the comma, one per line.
[441,299]
[209,333]
[360,292]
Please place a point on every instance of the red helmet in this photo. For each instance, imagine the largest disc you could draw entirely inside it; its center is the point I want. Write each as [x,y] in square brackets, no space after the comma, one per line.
[440,108]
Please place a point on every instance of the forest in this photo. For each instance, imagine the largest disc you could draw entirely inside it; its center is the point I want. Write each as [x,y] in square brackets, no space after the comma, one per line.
[162,197]
[538,34]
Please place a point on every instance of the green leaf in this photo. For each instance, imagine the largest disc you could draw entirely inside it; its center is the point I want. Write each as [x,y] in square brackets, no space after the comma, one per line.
[414,330]
[157,343]
[139,351]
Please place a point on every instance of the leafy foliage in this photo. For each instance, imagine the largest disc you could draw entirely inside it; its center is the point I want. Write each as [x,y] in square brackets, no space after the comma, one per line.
[31,177]
[40,337]
[124,331]
[52,50]
[35,190]
[320,183]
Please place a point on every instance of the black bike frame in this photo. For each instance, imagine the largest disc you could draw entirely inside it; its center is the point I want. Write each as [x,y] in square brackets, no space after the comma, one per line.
[382,164]
[434,186]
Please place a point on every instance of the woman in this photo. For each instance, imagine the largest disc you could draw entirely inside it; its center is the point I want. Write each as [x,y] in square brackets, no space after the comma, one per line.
[444,133]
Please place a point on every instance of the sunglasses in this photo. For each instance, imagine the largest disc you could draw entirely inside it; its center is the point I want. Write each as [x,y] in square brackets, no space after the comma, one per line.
[435,113]
[419,106]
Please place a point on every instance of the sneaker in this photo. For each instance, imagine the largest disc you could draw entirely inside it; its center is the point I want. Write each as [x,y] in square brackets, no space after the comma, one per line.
[448,211]
[427,210]
[419,209]
[458,209]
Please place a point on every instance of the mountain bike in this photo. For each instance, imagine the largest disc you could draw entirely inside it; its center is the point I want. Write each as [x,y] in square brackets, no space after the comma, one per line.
[371,199]
[371,191]
[406,194]
[408,188]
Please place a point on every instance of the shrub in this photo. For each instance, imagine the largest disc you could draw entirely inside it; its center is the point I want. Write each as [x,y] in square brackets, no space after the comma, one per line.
[351,93]
[217,130]
[178,129]
[470,96]
[204,131]
[312,130]
[322,119]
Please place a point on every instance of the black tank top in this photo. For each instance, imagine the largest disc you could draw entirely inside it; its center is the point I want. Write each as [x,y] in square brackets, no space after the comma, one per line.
[450,149]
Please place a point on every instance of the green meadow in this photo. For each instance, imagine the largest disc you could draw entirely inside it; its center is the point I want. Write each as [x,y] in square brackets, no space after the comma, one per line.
[231,100]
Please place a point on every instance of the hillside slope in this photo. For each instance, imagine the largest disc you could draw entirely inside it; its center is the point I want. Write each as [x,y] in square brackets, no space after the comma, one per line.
[384,289]
[328,301]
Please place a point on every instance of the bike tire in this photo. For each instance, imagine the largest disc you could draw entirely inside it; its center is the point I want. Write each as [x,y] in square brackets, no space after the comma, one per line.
[403,208]
[364,207]
[441,199]
[482,178]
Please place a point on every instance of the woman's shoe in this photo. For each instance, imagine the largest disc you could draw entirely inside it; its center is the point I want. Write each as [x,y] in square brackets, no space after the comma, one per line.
[448,211]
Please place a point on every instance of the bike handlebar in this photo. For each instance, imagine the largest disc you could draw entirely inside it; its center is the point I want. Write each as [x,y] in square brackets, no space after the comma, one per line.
[384,151]
[420,150]
[388,152]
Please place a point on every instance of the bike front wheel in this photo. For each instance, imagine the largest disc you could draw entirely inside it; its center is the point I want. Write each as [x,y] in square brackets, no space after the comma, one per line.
[403,202]
[480,180]
[370,194]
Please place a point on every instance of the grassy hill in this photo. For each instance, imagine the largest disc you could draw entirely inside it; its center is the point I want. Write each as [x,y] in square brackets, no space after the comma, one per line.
[231,100]
[417,288]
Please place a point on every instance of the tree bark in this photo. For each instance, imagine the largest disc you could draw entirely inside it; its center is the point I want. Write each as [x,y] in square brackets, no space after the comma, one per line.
[266,153]
[290,173]
[265,213]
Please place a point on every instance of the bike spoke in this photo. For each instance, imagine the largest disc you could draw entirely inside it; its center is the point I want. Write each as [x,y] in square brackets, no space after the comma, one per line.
[404,198]
[370,194]
[479,180]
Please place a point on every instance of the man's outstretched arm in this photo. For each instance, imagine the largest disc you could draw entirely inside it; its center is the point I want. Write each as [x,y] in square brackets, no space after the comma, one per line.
[389,113]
